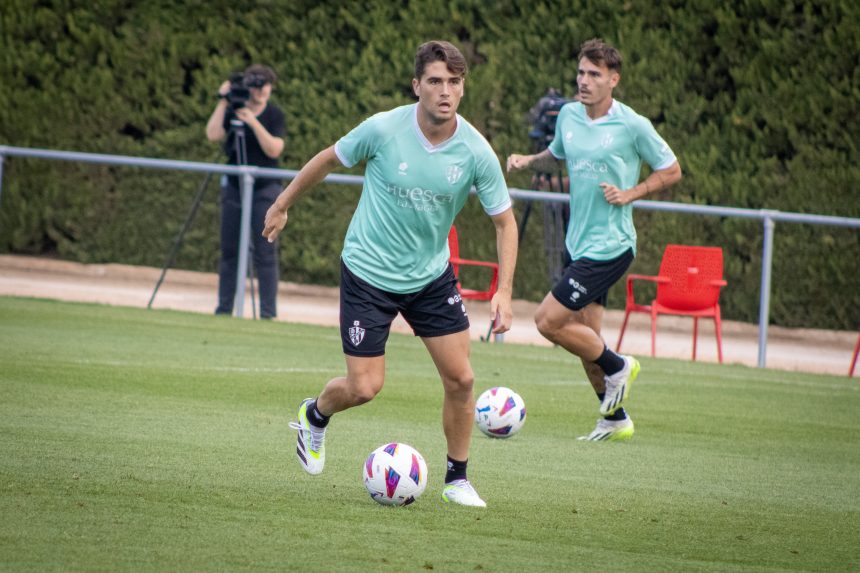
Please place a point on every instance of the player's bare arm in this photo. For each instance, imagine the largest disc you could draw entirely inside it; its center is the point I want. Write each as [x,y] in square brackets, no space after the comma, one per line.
[543,161]
[310,175]
[659,179]
[506,245]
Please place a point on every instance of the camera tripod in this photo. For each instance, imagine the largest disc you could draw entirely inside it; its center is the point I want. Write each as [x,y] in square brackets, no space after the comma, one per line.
[237,130]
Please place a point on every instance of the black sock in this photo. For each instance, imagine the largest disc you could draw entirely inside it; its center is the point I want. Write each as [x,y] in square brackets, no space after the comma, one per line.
[316,417]
[456,470]
[618,414]
[610,362]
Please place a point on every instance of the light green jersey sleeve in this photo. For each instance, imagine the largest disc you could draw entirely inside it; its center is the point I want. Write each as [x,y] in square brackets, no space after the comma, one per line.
[652,148]
[361,143]
[490,182]
[556,146]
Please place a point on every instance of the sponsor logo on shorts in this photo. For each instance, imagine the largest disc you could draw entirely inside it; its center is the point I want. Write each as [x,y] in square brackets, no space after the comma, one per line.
[356,333]
[578,289]
[575,284]
[455,299]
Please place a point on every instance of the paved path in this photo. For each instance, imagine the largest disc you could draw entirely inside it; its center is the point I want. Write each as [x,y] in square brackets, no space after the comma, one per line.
[807,350]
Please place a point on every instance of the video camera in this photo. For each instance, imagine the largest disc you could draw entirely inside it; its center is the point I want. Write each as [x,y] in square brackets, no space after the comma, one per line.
[240,85]
[543,117]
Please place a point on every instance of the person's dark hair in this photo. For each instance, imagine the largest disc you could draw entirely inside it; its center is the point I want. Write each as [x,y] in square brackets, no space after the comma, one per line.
[599,52]
[439,51]
[261,71]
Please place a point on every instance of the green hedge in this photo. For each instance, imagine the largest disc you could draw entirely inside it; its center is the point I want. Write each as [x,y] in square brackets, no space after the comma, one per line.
[757,98]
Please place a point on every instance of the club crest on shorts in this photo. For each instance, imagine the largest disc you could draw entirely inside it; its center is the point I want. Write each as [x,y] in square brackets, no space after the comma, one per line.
[356,334]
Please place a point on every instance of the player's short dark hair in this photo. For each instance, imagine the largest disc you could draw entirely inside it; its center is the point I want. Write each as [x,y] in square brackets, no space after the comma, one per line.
[599,52]
[261,71]
[439,51]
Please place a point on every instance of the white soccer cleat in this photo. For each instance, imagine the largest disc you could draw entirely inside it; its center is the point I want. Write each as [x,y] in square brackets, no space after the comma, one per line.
[618,386]
[461,492]
[610,431]
[310,446]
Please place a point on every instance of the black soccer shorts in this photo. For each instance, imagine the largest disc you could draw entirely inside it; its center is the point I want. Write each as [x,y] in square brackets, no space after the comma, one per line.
[585,280]
[366,312]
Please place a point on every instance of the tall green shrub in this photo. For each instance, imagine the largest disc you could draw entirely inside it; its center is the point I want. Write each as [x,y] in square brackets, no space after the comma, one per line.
[757,98]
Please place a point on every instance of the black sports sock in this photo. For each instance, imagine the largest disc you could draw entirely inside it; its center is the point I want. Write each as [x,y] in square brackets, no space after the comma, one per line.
[456,470]
[618,414]
[316,417]
[610,362]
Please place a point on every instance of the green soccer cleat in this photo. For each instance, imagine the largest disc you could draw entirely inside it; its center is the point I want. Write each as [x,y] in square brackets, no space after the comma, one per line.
[618,386]
[461,492]
[610,431]
[310,447]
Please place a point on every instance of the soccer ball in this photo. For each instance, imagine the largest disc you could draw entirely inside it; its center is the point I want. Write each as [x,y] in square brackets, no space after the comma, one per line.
[395,474]
[500,412]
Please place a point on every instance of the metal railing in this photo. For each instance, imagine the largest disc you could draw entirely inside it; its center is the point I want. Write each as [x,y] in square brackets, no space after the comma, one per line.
[249,173]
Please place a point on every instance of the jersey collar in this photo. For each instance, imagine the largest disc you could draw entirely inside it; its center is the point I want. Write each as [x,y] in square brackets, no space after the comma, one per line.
[425,143]
[613,109]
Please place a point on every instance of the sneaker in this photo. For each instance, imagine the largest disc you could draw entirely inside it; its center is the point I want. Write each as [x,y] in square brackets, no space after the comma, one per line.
[610,431]
[461,491]
[310,448]
[618,386]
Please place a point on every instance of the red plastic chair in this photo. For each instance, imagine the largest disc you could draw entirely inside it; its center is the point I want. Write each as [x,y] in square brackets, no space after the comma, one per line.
[688,284]
[854,358]
[468,293]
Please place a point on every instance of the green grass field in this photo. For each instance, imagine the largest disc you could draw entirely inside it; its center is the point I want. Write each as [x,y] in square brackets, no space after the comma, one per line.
[135,440]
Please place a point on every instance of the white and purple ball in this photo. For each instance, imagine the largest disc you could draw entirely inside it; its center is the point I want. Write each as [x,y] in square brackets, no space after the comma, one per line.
[395,474]
[500,412]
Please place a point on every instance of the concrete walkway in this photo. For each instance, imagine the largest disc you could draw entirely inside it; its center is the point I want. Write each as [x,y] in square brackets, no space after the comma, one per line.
[806,350]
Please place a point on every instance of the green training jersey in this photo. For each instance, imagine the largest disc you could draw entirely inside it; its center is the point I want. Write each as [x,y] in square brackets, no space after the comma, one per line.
[398,237]
[609,149]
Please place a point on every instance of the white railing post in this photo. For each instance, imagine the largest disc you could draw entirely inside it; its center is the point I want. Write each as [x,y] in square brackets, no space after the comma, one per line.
[764,300]
[246,185]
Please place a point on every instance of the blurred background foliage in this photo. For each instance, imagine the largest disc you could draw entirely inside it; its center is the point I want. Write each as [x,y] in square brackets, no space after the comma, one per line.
[758,98]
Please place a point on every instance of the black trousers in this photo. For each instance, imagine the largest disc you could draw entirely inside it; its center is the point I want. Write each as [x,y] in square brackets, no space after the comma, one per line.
[265,257]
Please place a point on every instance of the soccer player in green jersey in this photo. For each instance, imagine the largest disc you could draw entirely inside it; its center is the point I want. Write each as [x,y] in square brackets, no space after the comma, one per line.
[603,143]
[422,160]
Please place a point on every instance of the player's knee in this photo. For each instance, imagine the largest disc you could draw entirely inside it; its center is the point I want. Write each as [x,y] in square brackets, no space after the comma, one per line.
[545,324]
[364,391]
[363,395]
[461,383]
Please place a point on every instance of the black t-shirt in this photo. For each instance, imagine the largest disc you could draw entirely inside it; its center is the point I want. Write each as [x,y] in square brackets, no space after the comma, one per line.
[272,119]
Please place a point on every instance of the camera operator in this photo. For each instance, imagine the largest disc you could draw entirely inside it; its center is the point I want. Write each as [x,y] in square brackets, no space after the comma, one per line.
[246,98]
